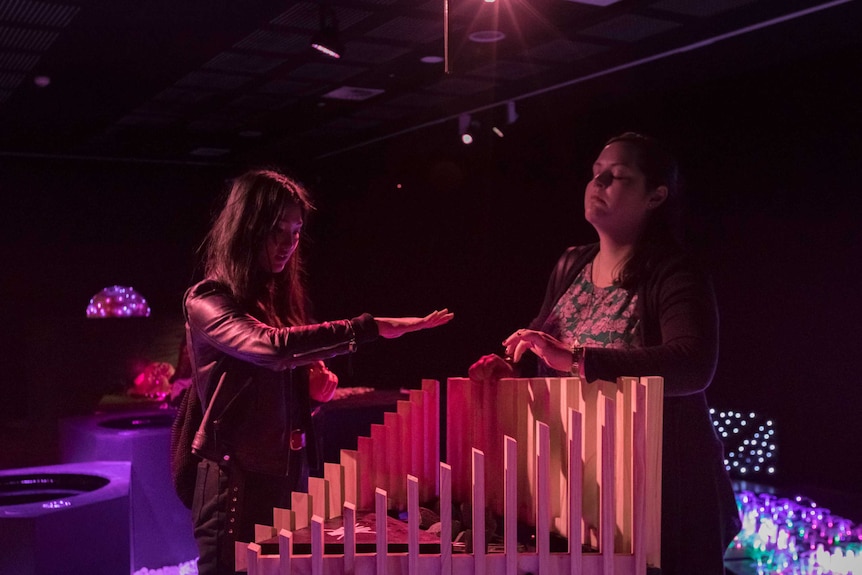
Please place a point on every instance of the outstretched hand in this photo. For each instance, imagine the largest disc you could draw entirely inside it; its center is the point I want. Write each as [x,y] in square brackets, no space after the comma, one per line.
[392,327]
[552,351]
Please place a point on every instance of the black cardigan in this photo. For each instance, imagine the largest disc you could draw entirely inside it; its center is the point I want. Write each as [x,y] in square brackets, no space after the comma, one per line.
[678,328]
[679,335]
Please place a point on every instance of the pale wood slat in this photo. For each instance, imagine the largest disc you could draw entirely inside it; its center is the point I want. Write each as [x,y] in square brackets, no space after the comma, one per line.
[445,519]
[510,513]
[607,525]
[285,552]
[575,466]
[334,474]
[349,538]
[317,545]
[413,521]
[380,507]
[543,495]
[478,501]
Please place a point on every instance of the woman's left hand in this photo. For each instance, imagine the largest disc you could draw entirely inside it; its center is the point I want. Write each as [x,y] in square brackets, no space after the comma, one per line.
[549,349]
[322,383]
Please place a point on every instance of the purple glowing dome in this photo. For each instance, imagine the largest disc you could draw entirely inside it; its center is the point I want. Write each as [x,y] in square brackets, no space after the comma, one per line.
[118,301]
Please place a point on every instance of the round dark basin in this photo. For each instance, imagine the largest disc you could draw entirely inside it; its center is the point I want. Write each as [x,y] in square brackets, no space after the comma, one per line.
[159,420]
[20,489]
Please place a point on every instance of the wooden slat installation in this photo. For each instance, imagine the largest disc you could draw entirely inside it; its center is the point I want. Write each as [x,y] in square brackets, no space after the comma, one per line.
[581,461]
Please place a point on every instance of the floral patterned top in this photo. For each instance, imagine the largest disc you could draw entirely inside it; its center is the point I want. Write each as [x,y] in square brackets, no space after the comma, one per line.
[594,316]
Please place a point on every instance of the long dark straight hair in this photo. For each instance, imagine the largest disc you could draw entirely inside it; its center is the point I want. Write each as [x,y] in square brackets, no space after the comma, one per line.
[253,207]
[663,228]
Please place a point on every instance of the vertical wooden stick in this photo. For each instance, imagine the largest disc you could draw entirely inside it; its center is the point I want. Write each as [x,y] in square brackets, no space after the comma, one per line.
[394,453]
[334,474]
[543,496]
[607,523]
[459,414]
[576,537]
[300,504]
[624,457]
[252,555]
[318,489]
[382,549]
[655,418]
[431,477]
[379,461]
[350,463]
[349,538]
[639,480]
[365,479]
[510,513]
[445,519]
[316,545]
[413,521]
[478,512]
[285,552]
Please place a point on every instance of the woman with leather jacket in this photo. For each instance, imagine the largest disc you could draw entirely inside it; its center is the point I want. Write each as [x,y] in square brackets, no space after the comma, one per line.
[258,363]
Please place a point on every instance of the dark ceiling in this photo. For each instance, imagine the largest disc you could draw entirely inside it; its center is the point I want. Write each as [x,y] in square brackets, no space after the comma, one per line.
[223,81]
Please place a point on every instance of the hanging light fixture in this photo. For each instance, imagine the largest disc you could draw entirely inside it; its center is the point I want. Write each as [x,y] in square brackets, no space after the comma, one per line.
[465,122]
[511,118]
[326,39]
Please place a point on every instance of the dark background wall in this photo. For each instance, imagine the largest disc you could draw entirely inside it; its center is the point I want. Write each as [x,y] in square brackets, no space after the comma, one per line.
[772,159]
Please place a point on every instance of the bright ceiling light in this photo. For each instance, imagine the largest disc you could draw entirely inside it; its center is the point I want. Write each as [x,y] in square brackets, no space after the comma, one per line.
[464,124]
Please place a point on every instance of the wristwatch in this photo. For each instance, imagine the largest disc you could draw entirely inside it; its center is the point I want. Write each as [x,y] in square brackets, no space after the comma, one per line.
[577,358]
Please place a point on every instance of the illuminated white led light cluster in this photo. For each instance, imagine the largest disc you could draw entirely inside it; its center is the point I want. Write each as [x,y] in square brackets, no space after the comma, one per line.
[795,536]
[750,447]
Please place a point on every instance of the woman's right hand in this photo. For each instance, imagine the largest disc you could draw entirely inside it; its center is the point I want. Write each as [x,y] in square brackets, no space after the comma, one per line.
[490,368]
[392,327]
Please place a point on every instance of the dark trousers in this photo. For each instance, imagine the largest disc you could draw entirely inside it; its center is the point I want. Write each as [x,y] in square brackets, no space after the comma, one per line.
[229,502]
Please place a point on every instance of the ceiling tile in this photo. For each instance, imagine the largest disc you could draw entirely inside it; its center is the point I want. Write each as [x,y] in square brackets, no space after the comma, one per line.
[212,81]
[629,28]
[10,81]
[335,73]
[306,15]
[508,70]
[286,87]
[37,13]
[26,39]
[407,29]
[700,7]
[273,41]
[368,53]
[460,86]
[18,61]
[562,50]
[247,63]
[423,100]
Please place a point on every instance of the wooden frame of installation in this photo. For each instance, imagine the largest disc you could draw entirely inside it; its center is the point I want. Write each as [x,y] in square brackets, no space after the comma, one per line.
[581,461]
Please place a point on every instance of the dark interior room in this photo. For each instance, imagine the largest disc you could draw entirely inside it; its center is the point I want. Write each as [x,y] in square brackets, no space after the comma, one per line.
[124,123]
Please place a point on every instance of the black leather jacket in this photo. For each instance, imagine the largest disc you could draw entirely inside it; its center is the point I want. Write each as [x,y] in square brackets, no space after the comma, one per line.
[244,375]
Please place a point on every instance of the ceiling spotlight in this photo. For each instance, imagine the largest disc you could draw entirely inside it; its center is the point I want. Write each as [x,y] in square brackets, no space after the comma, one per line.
[464,124]
[326,39]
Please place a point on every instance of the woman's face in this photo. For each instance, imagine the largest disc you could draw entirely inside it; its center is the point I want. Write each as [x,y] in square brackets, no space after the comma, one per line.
[282,241]
[616,201]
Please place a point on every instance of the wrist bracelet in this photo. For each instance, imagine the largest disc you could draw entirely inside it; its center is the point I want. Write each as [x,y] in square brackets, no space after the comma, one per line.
[577,358]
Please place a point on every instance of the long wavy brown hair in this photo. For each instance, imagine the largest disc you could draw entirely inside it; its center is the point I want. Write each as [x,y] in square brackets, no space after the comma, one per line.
[253,207]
